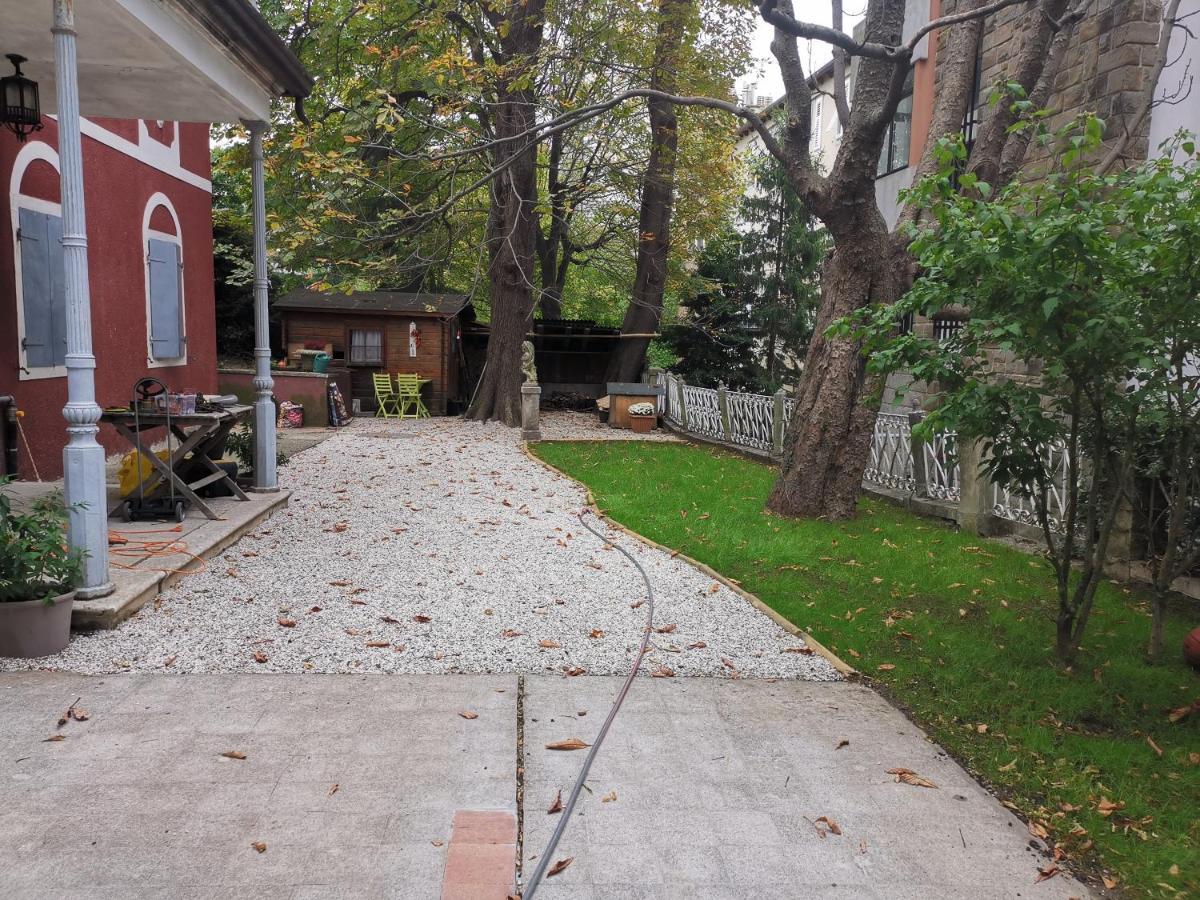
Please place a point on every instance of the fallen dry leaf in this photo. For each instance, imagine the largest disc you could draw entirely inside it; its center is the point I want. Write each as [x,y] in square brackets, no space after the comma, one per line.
[549,644]
[714,587]
[556,806]
[842,743]
[341,583]
[438,843]
[260,657]
[1107,807]
[886,667]
[1109,882]
[698,645]
[807,651]
[666,629]
[596,633]
[573,743]
[1047,873]
[233,754]
[286,623]
[829,823]
[559,866]
[610,797]
[391,620]
[260,846]
[511,633]
[662,672]
[469,714]
[1038,830]
[54,738]
[379,643]
[1178,715]
[422,618]
[333,789]
[169,661]
[908,776]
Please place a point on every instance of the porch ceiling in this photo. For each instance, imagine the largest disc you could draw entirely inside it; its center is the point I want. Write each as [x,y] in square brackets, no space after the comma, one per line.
[197,61]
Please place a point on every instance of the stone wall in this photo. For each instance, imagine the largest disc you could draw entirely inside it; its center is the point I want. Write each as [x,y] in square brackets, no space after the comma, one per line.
[1109,59]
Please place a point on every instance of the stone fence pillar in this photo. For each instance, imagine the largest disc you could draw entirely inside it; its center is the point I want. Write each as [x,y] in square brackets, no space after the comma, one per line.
[723,408]
[531,399]
[778,422]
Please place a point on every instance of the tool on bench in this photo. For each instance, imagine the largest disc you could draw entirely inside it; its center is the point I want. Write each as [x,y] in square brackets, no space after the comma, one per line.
[147,392]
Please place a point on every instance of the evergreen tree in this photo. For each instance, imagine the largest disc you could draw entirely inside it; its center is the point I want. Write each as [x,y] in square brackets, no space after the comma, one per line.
[715,335]
[782,247]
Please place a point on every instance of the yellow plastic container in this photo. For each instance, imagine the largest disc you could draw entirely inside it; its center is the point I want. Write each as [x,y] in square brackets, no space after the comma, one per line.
[135,470]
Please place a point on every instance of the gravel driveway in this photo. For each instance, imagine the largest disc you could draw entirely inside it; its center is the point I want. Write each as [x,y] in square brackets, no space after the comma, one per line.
[434,547]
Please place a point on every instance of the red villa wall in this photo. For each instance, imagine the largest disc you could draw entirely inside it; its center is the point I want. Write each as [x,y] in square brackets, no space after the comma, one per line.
[117,188]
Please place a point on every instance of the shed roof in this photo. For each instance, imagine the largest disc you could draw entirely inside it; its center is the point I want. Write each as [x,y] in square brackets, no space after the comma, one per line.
[393,302]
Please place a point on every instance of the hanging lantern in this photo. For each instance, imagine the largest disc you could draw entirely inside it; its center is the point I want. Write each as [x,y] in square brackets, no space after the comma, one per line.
[20,110]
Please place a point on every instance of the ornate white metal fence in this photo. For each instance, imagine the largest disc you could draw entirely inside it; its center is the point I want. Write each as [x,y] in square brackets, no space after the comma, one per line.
[1019,505]
[702,411]
[891,460]
[941,466]
[751,419]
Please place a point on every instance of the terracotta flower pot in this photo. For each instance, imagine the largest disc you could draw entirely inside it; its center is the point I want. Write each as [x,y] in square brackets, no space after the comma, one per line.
[34,628]
[643,424]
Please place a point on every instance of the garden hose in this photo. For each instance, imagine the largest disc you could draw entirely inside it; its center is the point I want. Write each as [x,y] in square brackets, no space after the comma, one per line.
[544,860]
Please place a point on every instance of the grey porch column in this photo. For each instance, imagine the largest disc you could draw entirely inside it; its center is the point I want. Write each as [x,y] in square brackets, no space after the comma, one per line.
[265,477]
[83,457]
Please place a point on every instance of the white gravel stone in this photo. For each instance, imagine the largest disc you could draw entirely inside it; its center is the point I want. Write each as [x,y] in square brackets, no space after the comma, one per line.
[391,522]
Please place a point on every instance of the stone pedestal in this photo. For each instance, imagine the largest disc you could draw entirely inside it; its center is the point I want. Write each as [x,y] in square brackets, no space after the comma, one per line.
[975,491]
[531,398]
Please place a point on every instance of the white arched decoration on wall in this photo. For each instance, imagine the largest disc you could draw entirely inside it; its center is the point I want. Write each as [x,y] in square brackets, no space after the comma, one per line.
[31,152]
[161,200]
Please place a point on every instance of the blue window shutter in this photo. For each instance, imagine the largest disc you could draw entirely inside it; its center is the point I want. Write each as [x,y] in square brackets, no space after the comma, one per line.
[43,293]
[166,327]
[58,290]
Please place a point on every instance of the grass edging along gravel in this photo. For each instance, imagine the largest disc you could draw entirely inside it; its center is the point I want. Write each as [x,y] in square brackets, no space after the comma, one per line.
[787,625]
[959,631]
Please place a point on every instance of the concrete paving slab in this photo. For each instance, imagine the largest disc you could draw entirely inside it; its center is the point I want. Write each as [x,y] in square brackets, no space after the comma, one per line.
[352,783]
[713,787]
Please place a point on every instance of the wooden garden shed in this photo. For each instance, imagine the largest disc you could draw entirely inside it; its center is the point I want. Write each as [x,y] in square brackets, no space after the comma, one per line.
[382,331]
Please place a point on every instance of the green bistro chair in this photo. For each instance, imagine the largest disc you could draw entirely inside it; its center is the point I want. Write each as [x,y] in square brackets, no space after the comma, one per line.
[408,389]
[386,397]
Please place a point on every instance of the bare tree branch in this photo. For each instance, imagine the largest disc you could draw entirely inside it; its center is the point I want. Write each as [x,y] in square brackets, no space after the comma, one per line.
[839,70]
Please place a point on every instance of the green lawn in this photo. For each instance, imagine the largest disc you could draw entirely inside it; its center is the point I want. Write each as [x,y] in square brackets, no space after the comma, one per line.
[967,625]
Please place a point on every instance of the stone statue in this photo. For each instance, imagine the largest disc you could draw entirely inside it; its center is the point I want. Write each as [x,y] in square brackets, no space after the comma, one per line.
[527,366]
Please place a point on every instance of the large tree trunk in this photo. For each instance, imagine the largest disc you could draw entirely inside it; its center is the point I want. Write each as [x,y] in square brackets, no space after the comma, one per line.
[512,224]
[829,436]
[658,200]
[551,242]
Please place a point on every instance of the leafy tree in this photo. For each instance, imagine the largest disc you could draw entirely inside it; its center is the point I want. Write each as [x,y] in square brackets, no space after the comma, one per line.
[1161,202]
[1076,277]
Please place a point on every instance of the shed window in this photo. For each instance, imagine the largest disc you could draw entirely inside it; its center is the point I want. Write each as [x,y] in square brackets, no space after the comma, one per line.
[167,339]
[43,292]
[366,346]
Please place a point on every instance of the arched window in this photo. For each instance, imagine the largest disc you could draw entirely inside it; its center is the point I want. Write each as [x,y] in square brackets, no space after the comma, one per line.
[38,256]
[162,243]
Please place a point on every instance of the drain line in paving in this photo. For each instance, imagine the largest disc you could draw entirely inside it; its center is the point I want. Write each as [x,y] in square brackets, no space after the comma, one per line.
[569,808]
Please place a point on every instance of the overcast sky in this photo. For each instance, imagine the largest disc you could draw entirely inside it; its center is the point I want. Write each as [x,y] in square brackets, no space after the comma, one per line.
[813,54]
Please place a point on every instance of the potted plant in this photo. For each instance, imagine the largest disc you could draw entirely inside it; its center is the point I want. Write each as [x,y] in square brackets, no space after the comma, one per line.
[38,574]
[642,417]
